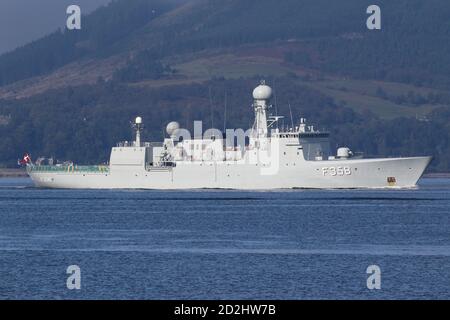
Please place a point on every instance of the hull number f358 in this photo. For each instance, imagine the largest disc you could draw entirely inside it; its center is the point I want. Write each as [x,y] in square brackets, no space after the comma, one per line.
[336,171]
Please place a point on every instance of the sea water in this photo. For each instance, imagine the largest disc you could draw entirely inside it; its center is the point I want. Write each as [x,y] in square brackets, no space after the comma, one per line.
[212,244]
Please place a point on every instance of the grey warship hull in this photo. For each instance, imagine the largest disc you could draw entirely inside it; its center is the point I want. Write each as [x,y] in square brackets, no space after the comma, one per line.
[364,173]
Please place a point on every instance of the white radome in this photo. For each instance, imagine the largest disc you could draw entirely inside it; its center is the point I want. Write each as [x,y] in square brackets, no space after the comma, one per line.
[138,120]
[262,92]
[172,127]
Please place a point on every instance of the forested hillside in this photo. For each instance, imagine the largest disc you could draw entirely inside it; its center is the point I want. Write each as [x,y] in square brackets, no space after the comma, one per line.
[413,45]
[100,35]
[383,92]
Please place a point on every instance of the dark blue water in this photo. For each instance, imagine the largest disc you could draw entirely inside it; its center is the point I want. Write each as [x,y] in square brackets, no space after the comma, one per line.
[224,244]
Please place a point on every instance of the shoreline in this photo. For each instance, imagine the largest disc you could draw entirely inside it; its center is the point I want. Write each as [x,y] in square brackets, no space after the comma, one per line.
[13,173]
[21,173]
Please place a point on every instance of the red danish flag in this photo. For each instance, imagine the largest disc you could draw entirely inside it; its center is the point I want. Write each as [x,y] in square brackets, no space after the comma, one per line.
[26,160]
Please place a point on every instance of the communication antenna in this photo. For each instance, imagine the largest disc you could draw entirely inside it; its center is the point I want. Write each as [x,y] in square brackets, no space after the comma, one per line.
[225,113]
[290,111]
[275,99]
[138,126]
[275,96]
[211,107]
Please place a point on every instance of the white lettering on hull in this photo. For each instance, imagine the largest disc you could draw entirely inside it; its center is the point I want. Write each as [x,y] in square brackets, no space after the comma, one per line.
[336,171]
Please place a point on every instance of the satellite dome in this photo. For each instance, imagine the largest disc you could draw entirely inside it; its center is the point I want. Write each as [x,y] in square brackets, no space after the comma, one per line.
[138,120]
[262,92]
[172,128]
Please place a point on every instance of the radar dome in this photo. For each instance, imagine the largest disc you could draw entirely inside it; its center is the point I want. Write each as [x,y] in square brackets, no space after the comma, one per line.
[262,92]
[138,120]
[172,128]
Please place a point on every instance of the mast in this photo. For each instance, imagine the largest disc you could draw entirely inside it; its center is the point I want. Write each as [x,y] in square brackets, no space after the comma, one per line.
[138,127]
[261,96]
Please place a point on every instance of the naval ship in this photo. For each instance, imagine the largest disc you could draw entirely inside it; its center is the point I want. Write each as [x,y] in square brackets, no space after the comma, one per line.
[298,156]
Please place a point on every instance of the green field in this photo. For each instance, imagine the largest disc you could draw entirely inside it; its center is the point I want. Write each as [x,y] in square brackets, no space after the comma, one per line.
[359,95]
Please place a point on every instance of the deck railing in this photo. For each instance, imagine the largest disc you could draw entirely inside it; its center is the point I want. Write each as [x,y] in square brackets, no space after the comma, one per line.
[70,169]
